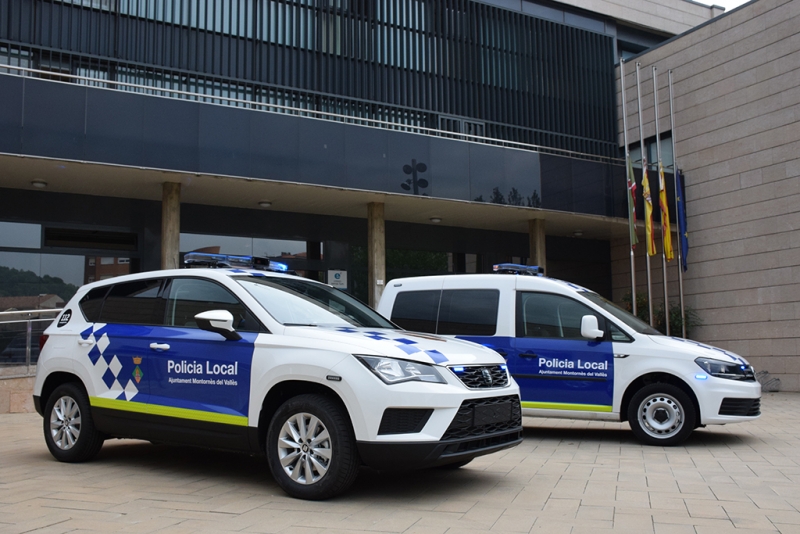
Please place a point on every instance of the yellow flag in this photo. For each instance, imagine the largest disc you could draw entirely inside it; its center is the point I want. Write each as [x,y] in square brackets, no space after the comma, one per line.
[666,232]
[648,211]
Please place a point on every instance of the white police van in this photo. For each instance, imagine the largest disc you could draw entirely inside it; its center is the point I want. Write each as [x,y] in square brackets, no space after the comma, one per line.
[576,355]
[262,362]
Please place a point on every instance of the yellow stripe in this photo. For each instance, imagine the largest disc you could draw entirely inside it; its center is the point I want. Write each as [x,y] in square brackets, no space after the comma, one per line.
[168,411]
[562,406]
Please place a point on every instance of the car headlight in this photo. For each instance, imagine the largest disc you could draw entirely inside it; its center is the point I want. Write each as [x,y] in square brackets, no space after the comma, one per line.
[393,371]
[722,369]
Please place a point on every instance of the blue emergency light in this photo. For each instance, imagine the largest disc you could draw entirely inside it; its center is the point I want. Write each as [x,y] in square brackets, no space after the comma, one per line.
[516,268]
[230,261]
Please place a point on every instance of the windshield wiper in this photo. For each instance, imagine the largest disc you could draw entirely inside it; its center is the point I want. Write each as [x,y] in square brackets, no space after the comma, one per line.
[299,324]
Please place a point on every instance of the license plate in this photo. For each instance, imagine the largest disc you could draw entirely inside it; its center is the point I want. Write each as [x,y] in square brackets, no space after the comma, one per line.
[492,413]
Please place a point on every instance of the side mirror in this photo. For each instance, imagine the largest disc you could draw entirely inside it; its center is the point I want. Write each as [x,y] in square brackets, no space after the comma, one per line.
[219,321]
[589,327]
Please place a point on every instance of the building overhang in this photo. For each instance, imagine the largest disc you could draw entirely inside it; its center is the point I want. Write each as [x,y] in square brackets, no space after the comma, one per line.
[98,179]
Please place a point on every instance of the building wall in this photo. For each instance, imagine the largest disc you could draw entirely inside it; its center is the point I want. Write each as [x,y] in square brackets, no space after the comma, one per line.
[670,16]
[737,104]
[16,394]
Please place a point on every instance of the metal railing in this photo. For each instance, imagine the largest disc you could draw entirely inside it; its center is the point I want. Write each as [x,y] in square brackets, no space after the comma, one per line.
[305,112]
[19,340]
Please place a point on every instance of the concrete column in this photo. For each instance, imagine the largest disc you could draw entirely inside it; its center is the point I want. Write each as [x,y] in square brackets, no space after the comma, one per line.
[170,225]
[536,235]
[376,252]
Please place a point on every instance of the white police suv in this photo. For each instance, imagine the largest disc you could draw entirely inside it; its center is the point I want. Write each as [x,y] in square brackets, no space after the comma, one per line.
[577,355]
[263,362]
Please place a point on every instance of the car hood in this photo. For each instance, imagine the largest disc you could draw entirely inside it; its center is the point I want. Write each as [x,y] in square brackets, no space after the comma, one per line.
[424,348]
[698,350]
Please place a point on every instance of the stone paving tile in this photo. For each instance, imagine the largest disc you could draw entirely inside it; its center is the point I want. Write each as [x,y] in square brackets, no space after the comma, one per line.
[567,477]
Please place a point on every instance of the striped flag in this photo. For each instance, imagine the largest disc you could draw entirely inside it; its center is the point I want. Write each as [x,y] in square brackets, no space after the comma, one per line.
[666,231]
[648,210]
[631,202]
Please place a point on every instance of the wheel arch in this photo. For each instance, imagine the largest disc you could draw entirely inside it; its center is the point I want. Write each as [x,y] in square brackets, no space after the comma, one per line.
[54,380]
[655,378]
[282,392]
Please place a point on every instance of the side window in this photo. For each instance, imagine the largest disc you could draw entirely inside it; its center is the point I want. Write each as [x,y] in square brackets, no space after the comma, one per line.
[551,316]
[134,303]
[617,334]
[92,303]
[416,310]
[468,312]
[189,296]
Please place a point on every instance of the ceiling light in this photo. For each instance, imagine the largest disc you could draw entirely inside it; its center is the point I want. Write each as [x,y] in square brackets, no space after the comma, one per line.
[577,233]
[39,184]
[436,219]
[265,203]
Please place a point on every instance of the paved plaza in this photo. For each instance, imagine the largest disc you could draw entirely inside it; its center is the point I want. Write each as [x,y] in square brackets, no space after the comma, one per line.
[566,477]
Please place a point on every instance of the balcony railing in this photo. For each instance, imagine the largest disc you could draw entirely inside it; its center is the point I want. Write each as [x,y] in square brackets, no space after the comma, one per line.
[19,340]
[403,120]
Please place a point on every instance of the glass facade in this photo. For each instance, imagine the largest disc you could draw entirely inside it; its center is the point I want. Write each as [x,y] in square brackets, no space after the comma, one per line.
[520,77]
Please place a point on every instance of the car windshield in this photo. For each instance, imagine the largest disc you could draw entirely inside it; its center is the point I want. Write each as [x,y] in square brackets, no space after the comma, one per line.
[296,302]
[629,319]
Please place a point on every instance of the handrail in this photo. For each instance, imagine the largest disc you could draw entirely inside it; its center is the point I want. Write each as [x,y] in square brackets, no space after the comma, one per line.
[31,312]
[330,116]
[28,367]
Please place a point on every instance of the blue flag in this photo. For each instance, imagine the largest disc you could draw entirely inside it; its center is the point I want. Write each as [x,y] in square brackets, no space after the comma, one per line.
[683,233]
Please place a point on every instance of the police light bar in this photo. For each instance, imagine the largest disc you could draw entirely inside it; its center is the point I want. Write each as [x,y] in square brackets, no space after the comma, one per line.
[228,261]
[516,268]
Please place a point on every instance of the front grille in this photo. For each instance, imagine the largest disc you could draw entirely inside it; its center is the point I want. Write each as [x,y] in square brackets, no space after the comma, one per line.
[474,377]
[483,417]
[404,420]
[740,407]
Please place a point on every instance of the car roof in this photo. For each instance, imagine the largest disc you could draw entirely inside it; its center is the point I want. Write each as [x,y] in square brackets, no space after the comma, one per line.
[214,274]
[491,280]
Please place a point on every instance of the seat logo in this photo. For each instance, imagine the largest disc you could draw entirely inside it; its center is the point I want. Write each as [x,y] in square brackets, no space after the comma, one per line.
[487,377]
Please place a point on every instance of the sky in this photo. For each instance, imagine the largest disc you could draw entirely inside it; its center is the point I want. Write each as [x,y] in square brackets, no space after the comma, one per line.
[727,4]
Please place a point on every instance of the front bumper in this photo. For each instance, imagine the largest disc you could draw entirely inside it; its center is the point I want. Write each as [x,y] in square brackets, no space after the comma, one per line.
[480,426]
[400,456]
[728,401]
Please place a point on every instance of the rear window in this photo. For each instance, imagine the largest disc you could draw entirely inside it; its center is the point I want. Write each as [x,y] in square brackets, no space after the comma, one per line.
[134,303]
[92,303]
[470,312]
[416,310]
[451,312]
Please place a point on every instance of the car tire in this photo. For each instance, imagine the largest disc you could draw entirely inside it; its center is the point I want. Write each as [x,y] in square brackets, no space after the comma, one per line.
[69,429]
[311,448]
[661,414]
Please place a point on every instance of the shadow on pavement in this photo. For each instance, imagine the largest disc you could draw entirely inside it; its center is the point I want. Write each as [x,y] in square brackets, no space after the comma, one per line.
[702,437]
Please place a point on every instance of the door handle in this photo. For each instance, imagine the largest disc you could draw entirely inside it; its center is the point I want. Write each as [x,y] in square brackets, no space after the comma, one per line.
[159,346]
[528,355]
[86,342]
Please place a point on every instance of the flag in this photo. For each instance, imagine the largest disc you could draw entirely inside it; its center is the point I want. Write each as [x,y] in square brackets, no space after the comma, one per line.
[666,231]
[683,234]
[631,202]
[648,211]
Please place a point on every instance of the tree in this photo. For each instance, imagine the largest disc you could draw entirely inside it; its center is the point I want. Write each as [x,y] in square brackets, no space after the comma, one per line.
[19,283]
[497,197]
[534,201]
[514,198]
[675,326]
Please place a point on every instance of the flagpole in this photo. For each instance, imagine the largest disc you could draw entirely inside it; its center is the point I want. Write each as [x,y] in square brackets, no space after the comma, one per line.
[627,185]
[661,207]
[675,176]
[644,170]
